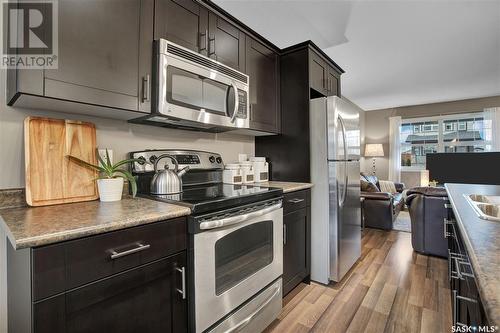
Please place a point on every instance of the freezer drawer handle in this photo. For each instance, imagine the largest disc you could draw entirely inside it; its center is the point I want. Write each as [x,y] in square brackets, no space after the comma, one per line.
[238,219]
[296,200]
[248,319]
[140,247]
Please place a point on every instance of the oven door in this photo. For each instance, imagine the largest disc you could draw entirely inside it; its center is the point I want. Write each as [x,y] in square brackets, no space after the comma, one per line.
[232,263]
[196,93]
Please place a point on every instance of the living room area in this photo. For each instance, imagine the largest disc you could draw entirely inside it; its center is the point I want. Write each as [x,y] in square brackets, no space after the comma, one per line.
[409,154]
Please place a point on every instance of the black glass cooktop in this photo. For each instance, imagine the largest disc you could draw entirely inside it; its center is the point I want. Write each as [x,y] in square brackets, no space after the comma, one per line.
[213,197]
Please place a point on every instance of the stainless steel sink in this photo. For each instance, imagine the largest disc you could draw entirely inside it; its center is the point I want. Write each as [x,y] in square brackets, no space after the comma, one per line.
[490,210]
[487,207]
[489,199]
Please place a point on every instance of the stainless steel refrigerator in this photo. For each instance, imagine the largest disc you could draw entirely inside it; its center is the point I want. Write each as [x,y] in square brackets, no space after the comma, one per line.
[335,203]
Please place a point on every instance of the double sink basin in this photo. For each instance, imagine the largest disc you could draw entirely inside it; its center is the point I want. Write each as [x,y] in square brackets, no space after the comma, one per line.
[486,206]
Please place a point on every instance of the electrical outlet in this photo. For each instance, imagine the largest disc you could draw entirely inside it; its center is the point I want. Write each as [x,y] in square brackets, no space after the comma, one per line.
[102,154]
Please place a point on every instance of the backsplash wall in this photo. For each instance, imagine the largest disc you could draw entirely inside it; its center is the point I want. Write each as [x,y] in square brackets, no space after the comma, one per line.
[118,135]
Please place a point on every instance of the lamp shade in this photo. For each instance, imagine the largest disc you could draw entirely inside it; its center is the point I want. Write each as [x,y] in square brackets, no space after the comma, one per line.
[374,150]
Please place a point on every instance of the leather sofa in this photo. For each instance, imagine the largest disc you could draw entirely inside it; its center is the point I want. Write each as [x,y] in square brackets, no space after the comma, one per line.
[427,211]
[380,209]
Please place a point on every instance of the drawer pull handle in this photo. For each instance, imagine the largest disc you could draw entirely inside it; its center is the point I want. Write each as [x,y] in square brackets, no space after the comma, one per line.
[295,200]
[140,247]
[182,291]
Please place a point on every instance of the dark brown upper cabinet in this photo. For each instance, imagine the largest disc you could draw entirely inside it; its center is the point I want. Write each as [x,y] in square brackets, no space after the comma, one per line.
[333,82]
[318,73]
[98,53]
[183,22]
[226,43]
[104,61]
[262,65]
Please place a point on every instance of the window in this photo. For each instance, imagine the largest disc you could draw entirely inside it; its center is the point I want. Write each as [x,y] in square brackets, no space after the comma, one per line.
[450,134]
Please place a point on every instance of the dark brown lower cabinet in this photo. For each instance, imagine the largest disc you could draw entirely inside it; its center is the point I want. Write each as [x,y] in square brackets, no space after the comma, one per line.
[144,299]
[296,240]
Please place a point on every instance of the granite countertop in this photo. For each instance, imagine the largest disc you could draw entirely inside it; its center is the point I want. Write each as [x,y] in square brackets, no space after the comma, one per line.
[287,186]
[36,226]
[482,240]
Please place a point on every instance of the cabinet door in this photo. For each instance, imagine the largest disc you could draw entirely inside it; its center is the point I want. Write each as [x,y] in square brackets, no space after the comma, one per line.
[226,43]
[145,299]
[183,22]
[146,55]
[318,73]
[333,82]
[98,53]
[295,248]
[263,68]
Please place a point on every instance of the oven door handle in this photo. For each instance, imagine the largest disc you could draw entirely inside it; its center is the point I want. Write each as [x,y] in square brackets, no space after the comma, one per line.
[248,319]
[237,219]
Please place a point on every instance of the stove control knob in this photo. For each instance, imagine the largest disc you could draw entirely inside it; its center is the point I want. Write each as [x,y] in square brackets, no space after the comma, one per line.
[211,159]
[153,158]
[142,160]
[219,160]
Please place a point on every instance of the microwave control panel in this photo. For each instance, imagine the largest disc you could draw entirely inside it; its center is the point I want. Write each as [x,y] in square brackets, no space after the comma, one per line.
[243,104]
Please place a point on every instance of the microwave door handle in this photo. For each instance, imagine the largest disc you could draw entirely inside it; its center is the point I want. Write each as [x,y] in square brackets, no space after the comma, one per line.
[237,219]
[236,102]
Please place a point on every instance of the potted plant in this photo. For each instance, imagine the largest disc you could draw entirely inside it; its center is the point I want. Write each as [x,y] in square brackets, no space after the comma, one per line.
[111,176]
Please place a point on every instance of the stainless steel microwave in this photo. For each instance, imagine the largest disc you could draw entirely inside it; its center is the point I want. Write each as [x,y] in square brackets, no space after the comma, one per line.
[193,91]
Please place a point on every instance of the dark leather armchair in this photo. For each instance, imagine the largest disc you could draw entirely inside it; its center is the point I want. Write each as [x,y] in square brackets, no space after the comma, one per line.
[427,211]
[380,209]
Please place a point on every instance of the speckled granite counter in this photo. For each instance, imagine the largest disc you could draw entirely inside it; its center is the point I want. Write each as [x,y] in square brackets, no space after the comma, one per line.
[482,240]
[30,227]
[287,186]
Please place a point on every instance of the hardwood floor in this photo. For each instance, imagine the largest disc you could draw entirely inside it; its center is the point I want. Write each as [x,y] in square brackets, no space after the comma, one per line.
[390,289]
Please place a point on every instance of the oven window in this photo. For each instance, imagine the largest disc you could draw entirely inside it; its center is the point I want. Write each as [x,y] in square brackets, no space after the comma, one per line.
[241,253]
[198,92]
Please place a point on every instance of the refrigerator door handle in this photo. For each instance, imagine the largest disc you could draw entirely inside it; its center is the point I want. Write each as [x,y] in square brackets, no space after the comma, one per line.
[346,174]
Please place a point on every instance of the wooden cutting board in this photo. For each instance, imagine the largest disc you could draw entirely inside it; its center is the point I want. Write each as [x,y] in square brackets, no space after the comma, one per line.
[51,178]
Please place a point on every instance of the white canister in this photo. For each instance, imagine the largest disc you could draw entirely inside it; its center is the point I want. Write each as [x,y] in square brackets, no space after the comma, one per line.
[232,174]
[260,169]
[242,158]
[247,172]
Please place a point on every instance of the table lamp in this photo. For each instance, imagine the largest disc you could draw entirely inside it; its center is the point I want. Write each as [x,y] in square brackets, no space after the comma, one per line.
[374,150]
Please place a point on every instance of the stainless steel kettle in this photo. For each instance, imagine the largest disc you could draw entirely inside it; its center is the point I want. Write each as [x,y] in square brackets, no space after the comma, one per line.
[167,181]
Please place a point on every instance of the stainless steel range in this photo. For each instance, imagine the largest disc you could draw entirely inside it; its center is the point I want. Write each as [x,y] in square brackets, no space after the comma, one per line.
[236,241]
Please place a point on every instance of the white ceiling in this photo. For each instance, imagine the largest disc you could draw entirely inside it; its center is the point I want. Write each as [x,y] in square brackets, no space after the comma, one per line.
[395,53]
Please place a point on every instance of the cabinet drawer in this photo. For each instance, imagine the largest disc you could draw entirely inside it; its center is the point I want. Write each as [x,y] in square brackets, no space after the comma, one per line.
[96,257]
[296,200]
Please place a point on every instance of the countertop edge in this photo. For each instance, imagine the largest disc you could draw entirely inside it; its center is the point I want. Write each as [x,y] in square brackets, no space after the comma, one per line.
[62,236]
[473,258]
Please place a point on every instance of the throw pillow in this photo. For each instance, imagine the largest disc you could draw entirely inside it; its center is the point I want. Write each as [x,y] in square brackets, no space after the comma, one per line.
[367,186]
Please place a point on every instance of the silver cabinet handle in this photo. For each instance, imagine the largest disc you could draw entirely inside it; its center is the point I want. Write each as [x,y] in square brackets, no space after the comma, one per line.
[447,206]
[211,49]
[182,291]
[284,234]
[454,318]
[247,320]
[204,37]
[237,219]
[140,247]
[146,91]
[296,200]
[446,223]
[456,299]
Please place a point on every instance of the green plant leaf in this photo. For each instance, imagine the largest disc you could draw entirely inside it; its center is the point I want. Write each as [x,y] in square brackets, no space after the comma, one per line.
[108,160]
[104,166]
[131,180]
[130,160]
[84,163]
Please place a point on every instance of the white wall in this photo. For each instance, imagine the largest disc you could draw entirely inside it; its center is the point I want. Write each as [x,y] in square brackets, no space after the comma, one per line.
[118,135]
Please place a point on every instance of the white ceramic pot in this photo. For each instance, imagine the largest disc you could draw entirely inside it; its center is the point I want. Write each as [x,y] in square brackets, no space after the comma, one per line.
[110,189]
